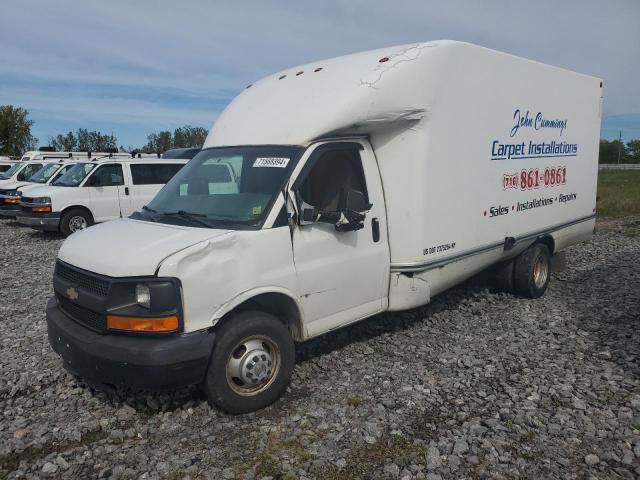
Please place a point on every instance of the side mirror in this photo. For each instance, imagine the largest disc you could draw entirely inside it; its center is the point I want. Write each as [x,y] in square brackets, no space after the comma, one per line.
[356,201]
[309,215]
[93,181]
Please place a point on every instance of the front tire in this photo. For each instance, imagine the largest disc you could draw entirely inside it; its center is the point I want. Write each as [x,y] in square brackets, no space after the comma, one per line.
[74,220]
[532,271]
[251,363]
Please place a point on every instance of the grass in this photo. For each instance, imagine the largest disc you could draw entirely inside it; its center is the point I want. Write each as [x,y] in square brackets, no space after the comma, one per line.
[268,466]
[363,461]
[267,463]
[11,461]
[619,193]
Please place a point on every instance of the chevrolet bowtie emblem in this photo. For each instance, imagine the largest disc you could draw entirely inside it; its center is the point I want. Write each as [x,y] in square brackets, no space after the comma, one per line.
[72,293]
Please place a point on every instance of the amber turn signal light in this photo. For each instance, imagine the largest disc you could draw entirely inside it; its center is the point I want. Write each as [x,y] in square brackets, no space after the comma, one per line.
[12,200]
[41,209]
[142,324]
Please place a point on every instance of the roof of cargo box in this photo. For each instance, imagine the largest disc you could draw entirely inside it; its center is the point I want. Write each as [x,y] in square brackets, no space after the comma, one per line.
[350,95]
[303,103]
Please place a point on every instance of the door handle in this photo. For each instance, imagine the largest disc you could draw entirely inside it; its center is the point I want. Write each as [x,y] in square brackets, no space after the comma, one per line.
[126,190]
[375,229]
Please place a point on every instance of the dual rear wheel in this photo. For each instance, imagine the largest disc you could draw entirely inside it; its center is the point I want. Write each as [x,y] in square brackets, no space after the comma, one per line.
[528,274]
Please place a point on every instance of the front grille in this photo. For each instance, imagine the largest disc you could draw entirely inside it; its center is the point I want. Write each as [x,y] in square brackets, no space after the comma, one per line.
[90,283]
[82,315]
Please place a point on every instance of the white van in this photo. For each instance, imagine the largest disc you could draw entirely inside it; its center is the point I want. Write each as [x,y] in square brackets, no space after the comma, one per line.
[33,161]
[49,154]
[5,164]
[364,184]
[10,193]
[20,172]
[95,191]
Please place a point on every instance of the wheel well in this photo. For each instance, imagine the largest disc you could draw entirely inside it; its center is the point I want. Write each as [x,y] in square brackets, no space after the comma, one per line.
[78,207]
[549,242]
[281,306]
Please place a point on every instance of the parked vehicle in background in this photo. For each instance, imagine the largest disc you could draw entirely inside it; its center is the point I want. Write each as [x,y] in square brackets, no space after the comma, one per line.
[363,184]
[20,172]
[184,153]
[49,153]
[95,191]
[5,164]
[10,193]
[33,161]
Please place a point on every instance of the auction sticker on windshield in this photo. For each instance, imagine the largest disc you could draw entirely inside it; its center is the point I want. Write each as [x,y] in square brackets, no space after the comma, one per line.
[277,162]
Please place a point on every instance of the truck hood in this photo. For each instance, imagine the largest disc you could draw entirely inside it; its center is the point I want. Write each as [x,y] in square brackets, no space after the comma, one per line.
[33,187]
[15,185]
[127,248]
[7,182]
[39,190]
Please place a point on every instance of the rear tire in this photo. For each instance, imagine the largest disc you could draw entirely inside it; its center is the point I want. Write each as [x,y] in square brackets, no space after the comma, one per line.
[251,363]
[532,271]
[74,220]
[503,277]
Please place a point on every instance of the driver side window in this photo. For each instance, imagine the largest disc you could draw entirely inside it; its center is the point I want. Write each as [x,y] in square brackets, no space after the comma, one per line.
[332,175]
[107,176]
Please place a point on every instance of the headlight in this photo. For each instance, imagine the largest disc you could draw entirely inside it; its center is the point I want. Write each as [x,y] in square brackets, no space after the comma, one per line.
[12,196]
[143,296]
[145,305]
[41,200]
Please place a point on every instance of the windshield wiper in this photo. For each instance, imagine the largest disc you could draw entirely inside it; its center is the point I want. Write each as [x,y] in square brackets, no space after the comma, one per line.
[192,217]
[152,218]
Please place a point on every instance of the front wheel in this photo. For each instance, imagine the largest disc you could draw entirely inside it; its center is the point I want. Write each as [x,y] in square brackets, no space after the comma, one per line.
[251,363]
[532,271]
[74,220]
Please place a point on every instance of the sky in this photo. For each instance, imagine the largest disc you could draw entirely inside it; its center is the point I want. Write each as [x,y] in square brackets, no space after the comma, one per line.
[135,67]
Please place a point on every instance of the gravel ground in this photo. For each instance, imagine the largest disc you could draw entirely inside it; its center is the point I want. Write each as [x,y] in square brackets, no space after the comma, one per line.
[476,385]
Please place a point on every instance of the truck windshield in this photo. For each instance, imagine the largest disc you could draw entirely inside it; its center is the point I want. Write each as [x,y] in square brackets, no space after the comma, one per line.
[45,173]
[75,175]
[9,173]
[224,187]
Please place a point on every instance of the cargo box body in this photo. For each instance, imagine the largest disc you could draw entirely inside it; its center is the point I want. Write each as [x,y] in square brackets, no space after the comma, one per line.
[475,147]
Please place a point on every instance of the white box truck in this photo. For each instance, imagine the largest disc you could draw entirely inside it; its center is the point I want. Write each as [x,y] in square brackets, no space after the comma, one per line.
[361,184]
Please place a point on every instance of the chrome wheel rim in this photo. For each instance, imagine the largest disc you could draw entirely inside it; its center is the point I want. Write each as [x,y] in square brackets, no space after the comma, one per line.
[540,271]
[76,223]
[253,365]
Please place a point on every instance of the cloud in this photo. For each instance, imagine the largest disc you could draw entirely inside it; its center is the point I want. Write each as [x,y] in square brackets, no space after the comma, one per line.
[166,60]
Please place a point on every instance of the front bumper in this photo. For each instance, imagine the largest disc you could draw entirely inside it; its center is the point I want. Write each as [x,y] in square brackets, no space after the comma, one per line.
[131,361]
[9,210]
[40,221]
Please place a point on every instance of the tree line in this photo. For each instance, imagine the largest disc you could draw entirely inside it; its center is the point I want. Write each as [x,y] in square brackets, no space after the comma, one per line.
[16,137]
[612,151]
